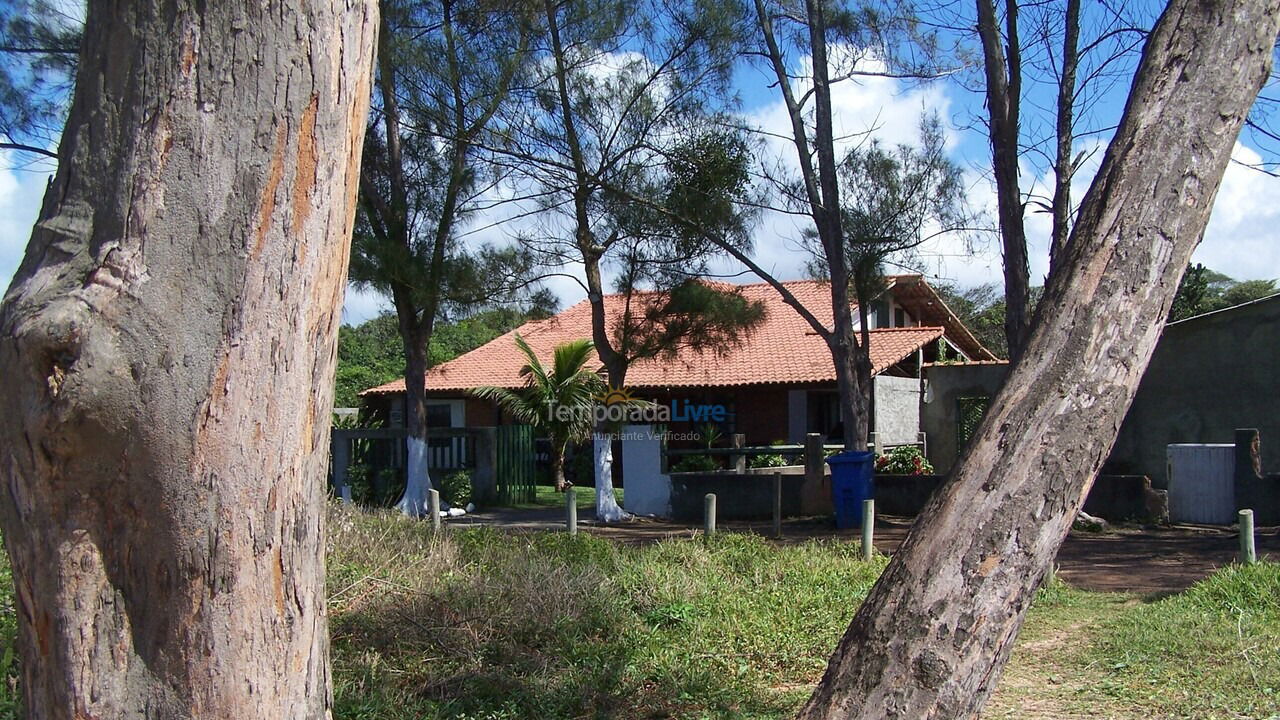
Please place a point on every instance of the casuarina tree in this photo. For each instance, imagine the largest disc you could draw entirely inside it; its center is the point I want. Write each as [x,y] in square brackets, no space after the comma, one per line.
[618,113]
[168,349]
[934,633]
[445,69]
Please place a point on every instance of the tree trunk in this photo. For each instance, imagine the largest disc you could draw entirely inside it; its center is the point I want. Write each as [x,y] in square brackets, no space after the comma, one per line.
[1064,167]
[417,485]
[169,347]
[933,635]
[557,467]
[1004,89]
[825,208]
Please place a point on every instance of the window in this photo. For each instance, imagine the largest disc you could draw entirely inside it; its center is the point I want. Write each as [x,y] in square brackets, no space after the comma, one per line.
[439,415]
[899,318]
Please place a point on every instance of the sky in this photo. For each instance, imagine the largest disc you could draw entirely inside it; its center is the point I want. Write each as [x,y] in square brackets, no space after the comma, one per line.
[1242,239]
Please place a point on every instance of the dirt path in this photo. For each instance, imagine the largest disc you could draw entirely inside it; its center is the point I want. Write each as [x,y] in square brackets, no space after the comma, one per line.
[1043,681]
[1146,561]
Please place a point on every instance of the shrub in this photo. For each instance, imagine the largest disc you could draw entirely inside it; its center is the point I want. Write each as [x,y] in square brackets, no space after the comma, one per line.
[455,488]
[904,460]
[696,463]
[766,461]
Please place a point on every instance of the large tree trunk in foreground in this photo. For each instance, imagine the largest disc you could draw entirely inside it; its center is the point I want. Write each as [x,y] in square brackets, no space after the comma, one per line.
[168,347]
[933,635]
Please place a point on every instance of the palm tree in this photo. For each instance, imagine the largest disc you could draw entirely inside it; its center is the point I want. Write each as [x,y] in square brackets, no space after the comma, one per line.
[559,400]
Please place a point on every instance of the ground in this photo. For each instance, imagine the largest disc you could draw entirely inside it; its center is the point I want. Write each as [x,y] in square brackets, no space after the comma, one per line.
[1150,561]
[654,621]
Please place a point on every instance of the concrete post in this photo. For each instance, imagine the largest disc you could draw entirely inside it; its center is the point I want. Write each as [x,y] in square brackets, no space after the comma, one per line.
[709,515]
[433,507]
[571,510]
[1248,552]
[340,454]
[868,529]
[777,504]
[813,457]
[738,462]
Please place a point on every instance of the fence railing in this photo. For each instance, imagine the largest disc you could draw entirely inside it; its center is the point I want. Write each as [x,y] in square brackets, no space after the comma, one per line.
[448,449]
[814,450]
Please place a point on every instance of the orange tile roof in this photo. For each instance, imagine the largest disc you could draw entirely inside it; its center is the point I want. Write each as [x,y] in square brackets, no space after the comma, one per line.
[782,349]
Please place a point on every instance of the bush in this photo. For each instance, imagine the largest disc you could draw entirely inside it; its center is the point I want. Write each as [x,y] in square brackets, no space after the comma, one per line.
[766,461]
[696,463]
[455,488]
[904,460]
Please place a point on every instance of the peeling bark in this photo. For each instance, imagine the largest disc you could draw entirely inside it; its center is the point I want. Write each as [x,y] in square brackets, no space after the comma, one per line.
[169,346]
[937,628]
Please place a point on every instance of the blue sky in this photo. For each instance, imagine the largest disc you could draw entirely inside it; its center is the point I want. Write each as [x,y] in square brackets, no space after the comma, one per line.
[1242,240]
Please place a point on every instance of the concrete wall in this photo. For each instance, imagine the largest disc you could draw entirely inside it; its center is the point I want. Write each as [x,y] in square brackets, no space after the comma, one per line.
[1209,375]
[897,410]
[946,384]
[648,488]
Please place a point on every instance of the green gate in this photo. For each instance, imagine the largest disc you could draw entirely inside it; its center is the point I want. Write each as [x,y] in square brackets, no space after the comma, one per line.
[515,464]
[969,414]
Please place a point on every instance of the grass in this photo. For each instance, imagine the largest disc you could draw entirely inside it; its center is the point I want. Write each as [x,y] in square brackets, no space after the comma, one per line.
[1211,652]
[478,624]
[487,625]
[545,496]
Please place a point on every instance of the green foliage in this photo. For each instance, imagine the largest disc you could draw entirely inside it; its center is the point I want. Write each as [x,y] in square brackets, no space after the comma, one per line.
[904,460]
[892,201]
[558,400]
[40,46]
[766,461]
[455,488]
[696,463]
[372,353]
[1203,290]
[369,354]
[10,700]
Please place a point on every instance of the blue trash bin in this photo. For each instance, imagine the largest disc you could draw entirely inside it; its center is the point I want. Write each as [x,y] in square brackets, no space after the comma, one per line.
[851,483]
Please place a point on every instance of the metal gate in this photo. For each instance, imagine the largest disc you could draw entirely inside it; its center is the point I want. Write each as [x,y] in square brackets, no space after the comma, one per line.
[515,464]
[1201,483]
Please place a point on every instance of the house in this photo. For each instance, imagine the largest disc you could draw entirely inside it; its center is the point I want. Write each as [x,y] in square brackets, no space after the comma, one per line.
[1209,375]
[779,384]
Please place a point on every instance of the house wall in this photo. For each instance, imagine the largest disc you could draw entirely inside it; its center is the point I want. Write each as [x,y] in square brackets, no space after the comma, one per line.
[1209,375]
[761,413]
[946,385]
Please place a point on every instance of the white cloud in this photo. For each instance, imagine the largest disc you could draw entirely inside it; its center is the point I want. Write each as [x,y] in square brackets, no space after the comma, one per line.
[21,193]
[1243,236]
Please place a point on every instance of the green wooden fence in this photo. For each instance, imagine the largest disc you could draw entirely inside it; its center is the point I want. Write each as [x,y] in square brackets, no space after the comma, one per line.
[515,464]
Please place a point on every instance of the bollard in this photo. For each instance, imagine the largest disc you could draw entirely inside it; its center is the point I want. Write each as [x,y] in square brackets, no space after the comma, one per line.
[1248,552]
[777,504]
[433,507]
[571,510]
[709,521]
[868,529]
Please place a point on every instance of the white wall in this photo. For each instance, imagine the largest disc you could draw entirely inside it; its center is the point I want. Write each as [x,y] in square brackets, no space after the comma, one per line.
[647,491]
[897,409]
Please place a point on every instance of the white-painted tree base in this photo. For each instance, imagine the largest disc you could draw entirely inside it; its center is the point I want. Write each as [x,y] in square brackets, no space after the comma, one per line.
[607,508]
[417,483]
